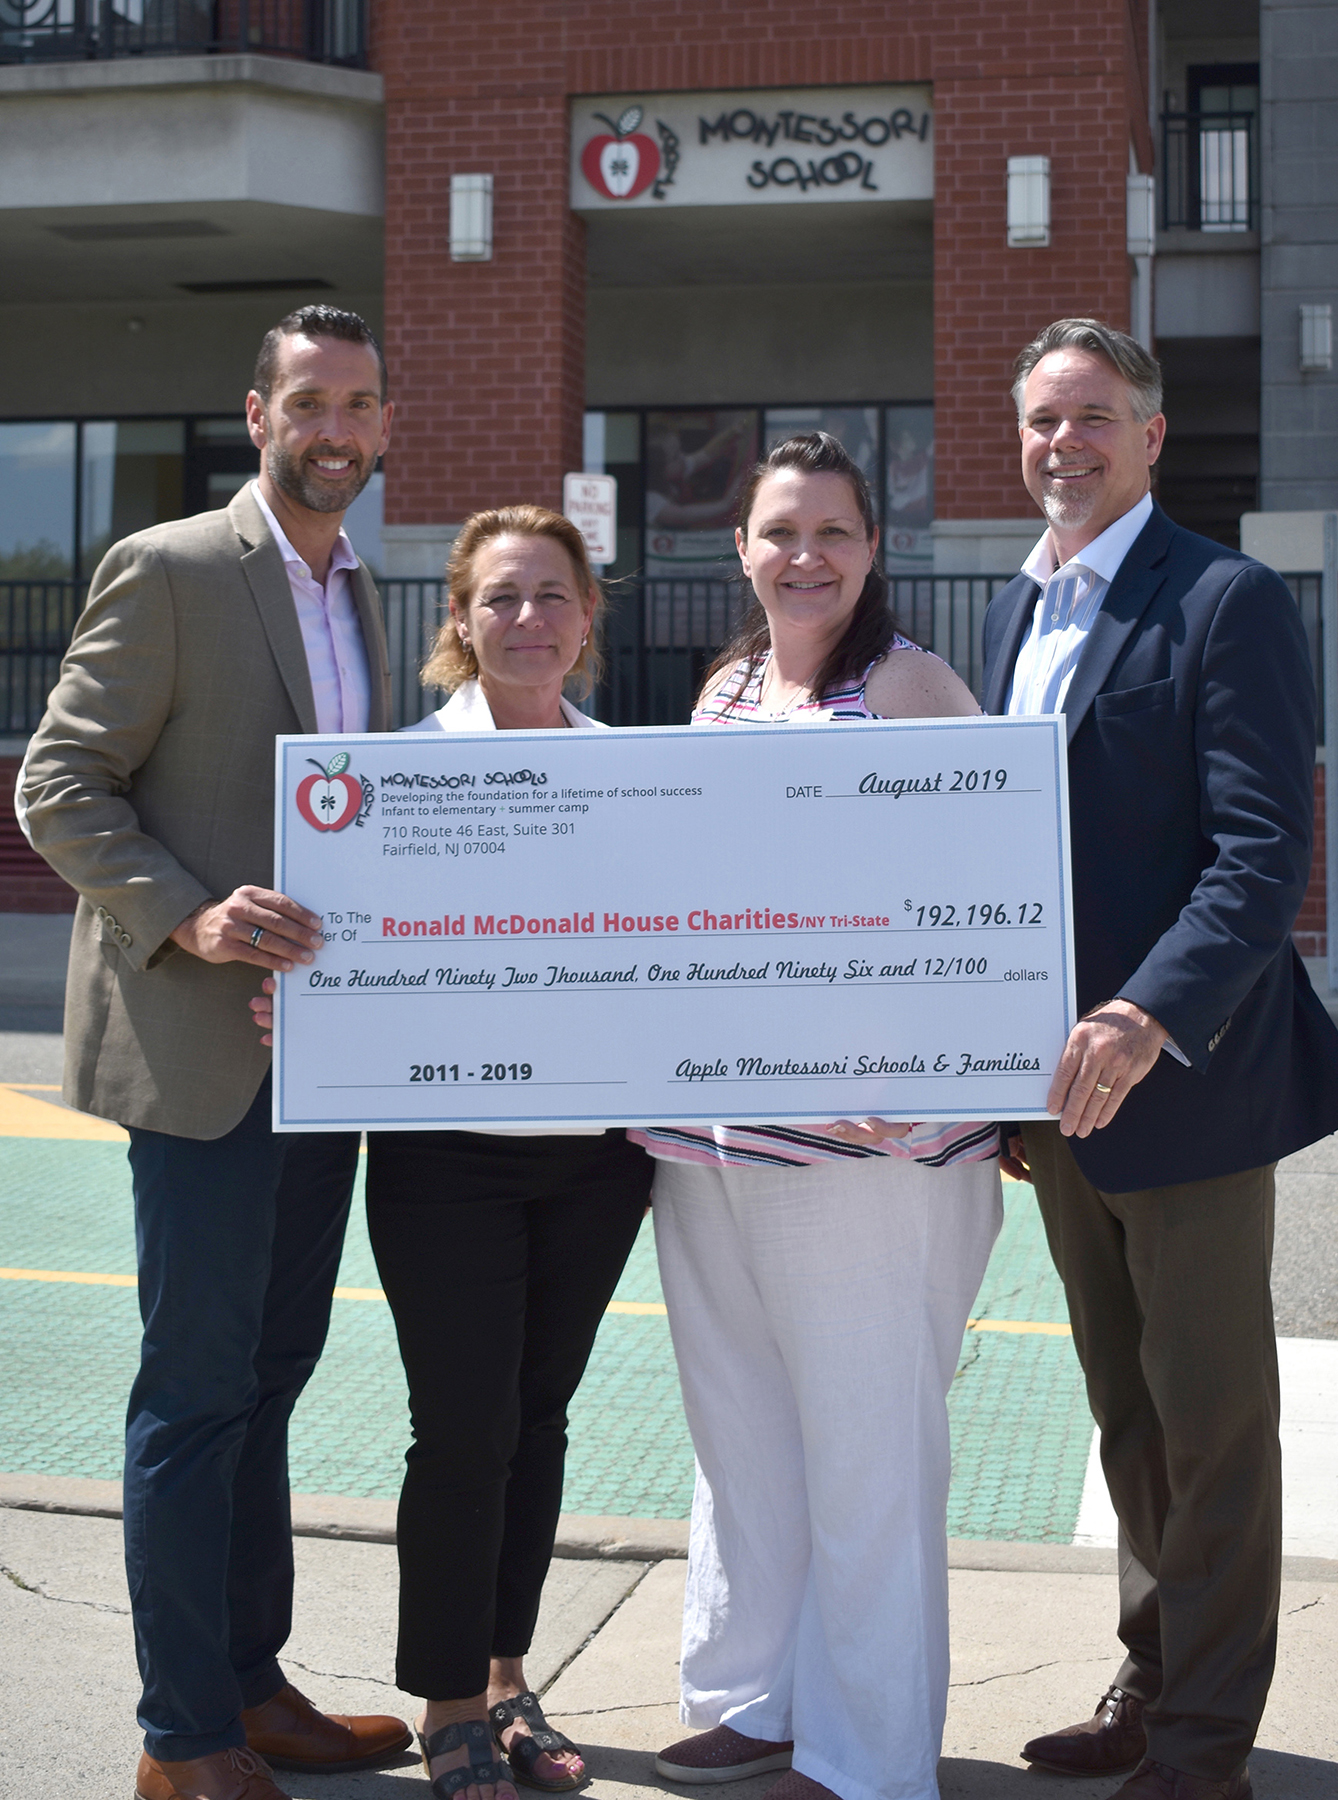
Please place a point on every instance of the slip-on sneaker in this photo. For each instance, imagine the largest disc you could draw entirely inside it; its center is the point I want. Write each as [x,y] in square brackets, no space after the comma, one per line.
[720,1755]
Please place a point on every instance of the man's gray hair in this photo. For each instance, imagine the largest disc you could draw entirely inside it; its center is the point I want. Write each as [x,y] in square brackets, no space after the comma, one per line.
[1141,372]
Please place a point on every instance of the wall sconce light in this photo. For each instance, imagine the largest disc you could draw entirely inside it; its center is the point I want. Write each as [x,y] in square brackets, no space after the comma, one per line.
[1140,215]
[1028,200]
[1317,336]
[471,218]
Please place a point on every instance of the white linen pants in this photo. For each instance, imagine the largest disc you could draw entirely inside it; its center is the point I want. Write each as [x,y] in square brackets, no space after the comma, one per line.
[817,1316]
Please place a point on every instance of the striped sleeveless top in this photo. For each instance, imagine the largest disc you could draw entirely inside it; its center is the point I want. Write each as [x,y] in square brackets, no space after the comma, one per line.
[738,700]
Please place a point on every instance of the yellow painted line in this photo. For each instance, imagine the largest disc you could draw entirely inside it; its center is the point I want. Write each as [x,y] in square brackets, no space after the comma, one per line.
[1020,1325]
[23,1116]
[636,1308]
[74,1275]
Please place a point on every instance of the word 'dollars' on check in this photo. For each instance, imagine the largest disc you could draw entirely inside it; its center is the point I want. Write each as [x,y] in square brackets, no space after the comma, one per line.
[642,926]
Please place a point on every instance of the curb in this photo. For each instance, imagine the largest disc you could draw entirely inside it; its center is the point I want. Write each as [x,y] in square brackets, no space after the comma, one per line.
[587,1539]
[363,1521]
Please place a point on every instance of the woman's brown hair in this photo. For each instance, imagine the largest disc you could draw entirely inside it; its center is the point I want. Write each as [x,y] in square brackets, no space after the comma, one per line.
[872,626]
[451,662]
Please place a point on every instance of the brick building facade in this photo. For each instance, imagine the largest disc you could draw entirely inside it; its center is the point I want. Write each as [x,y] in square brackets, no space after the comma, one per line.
[312,156]
[488,357]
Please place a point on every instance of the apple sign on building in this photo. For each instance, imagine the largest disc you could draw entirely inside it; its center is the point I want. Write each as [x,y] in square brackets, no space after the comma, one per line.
[767,147]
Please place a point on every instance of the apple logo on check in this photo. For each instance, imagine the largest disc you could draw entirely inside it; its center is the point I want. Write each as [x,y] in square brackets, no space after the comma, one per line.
[331,799]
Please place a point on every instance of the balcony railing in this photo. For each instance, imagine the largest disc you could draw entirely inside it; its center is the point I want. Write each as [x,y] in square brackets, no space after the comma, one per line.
[322,31]
[659,638]
[1209,172]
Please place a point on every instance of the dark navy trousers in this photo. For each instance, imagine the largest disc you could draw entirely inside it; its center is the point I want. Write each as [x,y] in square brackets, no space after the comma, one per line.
[239,1241]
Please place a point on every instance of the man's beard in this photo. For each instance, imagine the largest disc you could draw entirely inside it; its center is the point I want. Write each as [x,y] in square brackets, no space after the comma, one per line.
[289,475]
[1067,508]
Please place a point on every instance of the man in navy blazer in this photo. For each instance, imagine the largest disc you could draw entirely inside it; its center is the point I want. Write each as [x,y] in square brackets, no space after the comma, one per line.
[1202,1054]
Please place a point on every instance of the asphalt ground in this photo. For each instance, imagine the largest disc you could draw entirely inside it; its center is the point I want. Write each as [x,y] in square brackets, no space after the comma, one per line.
[69,1342]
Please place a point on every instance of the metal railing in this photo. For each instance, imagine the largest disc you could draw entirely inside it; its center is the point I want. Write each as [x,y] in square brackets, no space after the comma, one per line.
[1209,171]
[661,634]
[659,637]
[322,31]
[36,623]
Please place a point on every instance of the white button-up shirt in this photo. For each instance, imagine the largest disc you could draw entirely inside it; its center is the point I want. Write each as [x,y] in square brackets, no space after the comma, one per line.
[341,683]
[1069,601]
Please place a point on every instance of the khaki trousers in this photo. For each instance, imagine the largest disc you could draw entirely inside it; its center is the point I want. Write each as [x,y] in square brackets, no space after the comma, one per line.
[1168,1293]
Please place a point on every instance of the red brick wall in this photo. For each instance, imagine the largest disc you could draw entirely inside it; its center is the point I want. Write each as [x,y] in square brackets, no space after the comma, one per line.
[27,884]
[486,358]
[1311,925]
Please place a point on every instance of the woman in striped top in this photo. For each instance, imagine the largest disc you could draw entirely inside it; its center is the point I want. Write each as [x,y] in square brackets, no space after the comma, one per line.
[818,1280]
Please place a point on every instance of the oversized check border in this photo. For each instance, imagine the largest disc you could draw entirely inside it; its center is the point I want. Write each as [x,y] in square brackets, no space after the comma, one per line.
[980,1095]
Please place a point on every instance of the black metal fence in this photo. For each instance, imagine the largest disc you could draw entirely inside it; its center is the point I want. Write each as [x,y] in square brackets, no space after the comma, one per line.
[1209,171]
[323,31]
[36,623]
[660,636]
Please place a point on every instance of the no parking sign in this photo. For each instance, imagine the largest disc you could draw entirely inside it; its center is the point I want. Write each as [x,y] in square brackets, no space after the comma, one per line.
[591,503]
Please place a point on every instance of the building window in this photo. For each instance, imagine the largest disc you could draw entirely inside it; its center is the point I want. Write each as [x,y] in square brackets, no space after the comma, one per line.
[1210,151]
[37,500]
[130,478]
[681,471]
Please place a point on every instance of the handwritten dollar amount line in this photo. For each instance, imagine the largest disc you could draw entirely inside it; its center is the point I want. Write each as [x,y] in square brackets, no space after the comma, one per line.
[935,917]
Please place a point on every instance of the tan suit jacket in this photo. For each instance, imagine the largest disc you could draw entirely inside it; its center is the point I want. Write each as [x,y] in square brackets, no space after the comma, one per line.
[149,786]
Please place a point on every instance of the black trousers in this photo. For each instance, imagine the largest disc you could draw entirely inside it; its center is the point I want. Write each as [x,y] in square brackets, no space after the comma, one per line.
[498,1256]
[1168,1291]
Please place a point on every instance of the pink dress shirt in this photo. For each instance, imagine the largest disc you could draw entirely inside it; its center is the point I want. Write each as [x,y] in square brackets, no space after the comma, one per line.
[331,631]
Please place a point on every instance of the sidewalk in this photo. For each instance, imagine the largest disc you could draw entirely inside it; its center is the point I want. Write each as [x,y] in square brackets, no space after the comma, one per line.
[1033,1646]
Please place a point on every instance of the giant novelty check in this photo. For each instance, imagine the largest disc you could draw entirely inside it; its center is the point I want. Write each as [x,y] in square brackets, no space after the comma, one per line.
[710,925]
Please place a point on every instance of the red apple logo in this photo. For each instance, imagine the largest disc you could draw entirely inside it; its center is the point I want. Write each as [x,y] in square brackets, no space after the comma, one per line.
[332,799]
[624,165]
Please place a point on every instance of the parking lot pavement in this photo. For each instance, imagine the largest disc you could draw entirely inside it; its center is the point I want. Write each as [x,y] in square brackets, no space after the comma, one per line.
[1022,1433]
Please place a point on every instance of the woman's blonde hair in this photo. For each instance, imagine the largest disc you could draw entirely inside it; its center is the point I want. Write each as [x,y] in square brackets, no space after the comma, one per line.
[452,663]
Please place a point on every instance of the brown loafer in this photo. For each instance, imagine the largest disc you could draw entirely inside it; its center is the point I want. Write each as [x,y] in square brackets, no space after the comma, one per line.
[1111,1740]
[1155,1781]
[290,1733]
[226,1775]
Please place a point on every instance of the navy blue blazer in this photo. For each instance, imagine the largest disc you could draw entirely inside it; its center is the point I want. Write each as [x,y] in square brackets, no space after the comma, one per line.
[1191,730]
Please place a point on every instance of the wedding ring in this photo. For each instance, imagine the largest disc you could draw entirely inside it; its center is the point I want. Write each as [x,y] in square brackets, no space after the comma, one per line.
[256,936]
[1101,1090]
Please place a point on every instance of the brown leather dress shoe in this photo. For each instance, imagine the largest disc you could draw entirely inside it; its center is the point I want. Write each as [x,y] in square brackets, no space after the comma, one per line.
[226,1775]
[290,1733]
[1111,1740]
[1155,1781]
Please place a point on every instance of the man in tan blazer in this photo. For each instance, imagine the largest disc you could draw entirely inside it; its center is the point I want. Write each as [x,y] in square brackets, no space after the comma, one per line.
[150,787]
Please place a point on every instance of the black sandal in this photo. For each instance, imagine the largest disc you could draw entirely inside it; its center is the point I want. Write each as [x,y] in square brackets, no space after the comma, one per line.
[483,1769]
[526,1751]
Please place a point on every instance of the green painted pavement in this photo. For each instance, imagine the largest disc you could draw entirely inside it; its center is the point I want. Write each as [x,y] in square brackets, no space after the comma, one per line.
[68,1352]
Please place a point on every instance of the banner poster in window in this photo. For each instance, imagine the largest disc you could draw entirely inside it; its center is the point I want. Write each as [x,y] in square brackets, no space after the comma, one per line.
[908,547]
[696,465]
[854,427]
